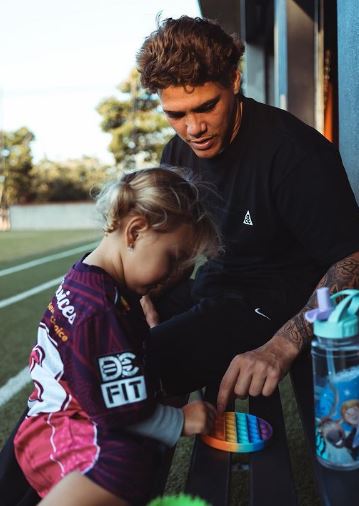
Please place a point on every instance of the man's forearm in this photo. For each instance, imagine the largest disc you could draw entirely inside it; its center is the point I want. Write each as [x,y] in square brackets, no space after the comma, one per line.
[344,274]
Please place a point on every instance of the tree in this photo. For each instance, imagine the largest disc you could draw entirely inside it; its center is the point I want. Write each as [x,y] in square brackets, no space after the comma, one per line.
[16,167]
[139,131]
[70,180]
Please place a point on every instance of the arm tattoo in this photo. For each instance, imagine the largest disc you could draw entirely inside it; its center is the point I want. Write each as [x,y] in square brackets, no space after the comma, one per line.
[343,274]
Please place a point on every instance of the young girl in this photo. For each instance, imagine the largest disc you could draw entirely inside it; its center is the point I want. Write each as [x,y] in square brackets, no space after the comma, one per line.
[93,421]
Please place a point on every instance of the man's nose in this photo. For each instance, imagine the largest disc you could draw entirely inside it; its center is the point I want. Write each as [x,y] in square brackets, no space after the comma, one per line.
[195,127]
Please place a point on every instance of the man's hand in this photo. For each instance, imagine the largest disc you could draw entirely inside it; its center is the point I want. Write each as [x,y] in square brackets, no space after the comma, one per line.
[149,310]
[257,371]
[199,418]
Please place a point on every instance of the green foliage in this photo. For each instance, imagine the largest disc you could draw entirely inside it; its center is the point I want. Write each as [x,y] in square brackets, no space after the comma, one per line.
[16,168]
[139,131]
[71,180]
[22,182]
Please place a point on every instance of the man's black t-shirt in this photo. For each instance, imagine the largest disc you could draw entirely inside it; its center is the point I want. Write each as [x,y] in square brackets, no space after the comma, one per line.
[284,206]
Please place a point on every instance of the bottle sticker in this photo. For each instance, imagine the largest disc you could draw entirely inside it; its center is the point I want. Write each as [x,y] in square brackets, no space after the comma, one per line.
[337,419]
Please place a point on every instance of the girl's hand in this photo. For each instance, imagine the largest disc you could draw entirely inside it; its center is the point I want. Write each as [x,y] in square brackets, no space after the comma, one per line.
[149,310]
[199,418]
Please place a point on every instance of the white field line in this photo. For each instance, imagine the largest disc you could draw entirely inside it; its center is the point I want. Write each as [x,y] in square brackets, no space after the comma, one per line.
[14,385]
[29,293]
[49,258]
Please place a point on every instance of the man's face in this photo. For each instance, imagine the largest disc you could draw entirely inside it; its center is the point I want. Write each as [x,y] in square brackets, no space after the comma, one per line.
[203,116]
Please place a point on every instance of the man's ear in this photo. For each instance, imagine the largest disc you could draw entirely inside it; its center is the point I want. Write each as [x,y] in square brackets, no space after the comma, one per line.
[133,229]
[236,81]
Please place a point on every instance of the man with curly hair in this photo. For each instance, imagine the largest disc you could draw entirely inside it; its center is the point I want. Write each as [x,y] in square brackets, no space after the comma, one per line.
[288,217]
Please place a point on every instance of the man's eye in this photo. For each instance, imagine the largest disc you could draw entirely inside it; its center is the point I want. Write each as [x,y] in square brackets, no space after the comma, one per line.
[174,115]
[208,108]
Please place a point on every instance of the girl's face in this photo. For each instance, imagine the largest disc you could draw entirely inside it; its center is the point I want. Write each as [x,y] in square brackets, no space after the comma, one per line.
[152,258]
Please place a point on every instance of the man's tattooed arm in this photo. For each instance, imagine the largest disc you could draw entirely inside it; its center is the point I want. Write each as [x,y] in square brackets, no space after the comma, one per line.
[344,274]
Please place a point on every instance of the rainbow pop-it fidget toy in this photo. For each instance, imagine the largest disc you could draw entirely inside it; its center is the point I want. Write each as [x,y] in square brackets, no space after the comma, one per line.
[239,433]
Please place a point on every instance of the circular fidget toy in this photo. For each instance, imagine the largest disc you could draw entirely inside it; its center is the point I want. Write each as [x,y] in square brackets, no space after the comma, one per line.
[239,433]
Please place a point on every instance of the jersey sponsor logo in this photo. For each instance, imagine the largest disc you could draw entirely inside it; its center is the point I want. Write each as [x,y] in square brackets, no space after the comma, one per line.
[63,303]
[247,219]
[114,366]
[59,330]
[126,391]
[258,311]
[120,384]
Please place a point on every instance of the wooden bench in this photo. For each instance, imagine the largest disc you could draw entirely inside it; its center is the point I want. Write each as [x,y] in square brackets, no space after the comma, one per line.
[271,480]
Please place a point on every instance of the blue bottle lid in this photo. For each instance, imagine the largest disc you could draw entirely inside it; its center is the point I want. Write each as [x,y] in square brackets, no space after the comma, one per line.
[335,321]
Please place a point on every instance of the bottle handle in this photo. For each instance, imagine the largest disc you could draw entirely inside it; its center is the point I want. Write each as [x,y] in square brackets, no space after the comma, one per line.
[350,304]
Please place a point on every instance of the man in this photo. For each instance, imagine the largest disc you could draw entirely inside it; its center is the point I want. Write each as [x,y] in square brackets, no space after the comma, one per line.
[287,214]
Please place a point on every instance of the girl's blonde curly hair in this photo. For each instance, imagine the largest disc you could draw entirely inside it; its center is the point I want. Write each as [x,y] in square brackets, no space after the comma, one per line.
[166,198]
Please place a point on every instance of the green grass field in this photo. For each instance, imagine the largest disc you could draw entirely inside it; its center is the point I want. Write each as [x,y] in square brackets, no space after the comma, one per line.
[20,246]
[18,330]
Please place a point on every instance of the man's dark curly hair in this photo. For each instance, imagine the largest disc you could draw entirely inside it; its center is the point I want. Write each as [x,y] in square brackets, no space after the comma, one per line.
[188,51]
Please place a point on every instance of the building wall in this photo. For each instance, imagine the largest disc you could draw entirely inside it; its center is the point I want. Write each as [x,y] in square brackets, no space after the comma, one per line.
[348,87]
[54,216]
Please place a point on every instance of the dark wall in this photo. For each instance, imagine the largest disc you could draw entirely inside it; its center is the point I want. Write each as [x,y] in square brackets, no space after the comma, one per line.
[300,50]
[226,12]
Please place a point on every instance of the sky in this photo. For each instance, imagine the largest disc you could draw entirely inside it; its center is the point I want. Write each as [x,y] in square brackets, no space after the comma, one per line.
[59,59]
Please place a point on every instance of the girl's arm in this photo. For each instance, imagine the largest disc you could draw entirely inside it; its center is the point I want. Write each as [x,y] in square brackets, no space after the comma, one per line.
[167,423]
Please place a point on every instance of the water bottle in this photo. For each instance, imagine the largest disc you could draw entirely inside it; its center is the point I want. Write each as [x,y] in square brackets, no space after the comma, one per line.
[335,356]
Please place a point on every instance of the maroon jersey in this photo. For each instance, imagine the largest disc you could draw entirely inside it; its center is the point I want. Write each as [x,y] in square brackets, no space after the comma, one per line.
[90,352]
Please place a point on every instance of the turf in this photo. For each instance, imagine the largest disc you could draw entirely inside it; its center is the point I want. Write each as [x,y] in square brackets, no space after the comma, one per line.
[19,246]
[24,280]
[10,413]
